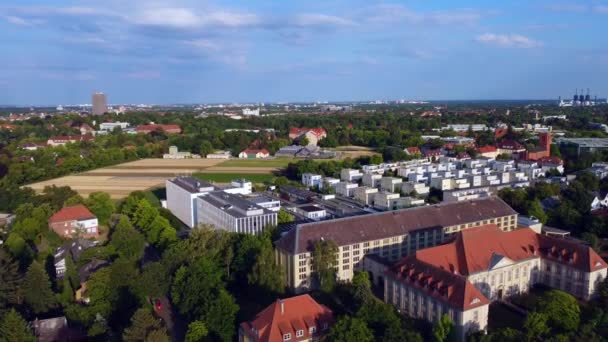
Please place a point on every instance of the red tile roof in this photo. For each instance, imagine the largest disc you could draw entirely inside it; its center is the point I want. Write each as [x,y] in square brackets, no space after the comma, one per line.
[77,212]
[287,316]
[152,128]
[550,161]
[350,230]
[487,149]
[295,131]
[440,284]
[254,151]
[510,145]
[412,150]
[475,249]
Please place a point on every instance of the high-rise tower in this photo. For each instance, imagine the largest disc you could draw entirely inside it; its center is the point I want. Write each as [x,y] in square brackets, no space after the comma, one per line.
[100,103]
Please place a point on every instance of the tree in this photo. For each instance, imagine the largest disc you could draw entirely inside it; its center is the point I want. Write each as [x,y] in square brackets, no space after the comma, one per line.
[102,205]
[221,315]
[144,215]
[265,273]
[536,210]
[303,141]
[144,324]
[37,290]
[284,217]
[205,148]
[324,263]
[13,328]
[361,288]
[536,326]
[127,241]
[443,328]
[154,280]
[74,200]
[10,280]
[349,329]
[561,309]
[197,331]
[383,320]
[589,180]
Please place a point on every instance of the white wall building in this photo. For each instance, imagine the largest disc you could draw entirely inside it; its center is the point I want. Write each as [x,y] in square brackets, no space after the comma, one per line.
[350,175]
[181,196]
[311,180]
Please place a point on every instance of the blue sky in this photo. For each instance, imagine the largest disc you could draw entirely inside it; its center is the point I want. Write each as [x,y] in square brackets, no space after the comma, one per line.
[190,51]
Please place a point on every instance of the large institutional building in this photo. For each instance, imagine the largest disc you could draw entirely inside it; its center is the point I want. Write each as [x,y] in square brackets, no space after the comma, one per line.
[483,264]
[392,235]
[100,103]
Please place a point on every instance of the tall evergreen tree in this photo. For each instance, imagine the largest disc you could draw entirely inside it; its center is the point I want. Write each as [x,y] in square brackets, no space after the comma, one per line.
[10,280]
[127,241]
[324,260]
[13,328]
[37,290]
[265,273]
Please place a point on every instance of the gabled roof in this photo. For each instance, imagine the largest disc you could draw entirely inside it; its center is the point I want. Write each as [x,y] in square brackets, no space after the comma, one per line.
[71,138]
[412,150]
[349,230]
[481,248]
[487,149]
[510,145]
[77,212]
[255,151]
[286,316]
[438,283]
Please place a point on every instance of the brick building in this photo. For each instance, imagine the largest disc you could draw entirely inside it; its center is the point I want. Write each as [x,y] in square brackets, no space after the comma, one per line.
[75,220]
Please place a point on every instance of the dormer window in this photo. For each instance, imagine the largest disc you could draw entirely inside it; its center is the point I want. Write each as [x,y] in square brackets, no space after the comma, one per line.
[299,333]
[475,300]
[312,330]
[286,337]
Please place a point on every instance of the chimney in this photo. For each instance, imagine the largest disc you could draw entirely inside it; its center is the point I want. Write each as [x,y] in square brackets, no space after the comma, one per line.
[282,307]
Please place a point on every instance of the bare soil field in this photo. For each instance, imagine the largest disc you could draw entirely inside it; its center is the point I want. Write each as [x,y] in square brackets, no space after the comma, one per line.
[120,180]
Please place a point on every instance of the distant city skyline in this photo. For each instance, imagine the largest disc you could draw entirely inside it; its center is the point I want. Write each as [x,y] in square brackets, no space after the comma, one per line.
[186,51]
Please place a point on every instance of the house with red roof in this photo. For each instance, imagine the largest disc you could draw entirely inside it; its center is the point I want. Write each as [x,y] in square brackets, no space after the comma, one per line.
[298,318]
[488,151]
[411,151]
[67,139]
[168,129]
[75,220]
[483,264]
[313,135]
[250,153]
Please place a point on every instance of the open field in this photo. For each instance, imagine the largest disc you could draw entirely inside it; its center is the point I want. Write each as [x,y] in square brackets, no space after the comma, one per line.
[279,162]
[120,180]
[227,177]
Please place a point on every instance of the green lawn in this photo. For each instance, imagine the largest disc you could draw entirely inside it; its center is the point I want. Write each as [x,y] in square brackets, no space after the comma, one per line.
[279,162]
[227,177]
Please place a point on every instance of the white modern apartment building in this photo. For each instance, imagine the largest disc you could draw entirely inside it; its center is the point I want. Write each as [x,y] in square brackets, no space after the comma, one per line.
[372,180]
[109,126]
[391,184]
[233,213]
[311,180]
[350,175]
[181,196]
[365,195]
[346,189]
[419,188]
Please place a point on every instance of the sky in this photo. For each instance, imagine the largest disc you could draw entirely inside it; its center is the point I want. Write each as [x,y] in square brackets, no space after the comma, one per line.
[197,51]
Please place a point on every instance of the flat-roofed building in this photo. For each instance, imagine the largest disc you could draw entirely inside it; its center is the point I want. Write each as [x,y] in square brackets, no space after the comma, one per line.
[181,196]
[484,264]
[312,180]
[391,184]
[350,175]
[365,195]
[418,188]
[346,189]
[392,235]
[312,212]
[584,145]
[385,200]
[233,213]
[372,180]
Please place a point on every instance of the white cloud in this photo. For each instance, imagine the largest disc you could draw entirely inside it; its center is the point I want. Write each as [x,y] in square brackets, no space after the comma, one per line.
[143,74]
[17,21]
[508,40]
[179,18]
[315,19]
[391,14]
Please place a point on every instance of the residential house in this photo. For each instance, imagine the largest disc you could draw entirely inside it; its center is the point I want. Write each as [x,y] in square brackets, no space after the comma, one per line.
[298,318]
[219,155]
[365,195]
[372,180]
[254,154]
[311,180]
[313,135]
[487,151]
[599,201]
[74,221]
[66,139]
[411,151]
[350,175]
[72,248]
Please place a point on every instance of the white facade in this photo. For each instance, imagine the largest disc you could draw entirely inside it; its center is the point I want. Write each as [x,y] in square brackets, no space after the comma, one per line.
[372,180]
[311,180]
[365,195]
[346,189]
[181,198]
[109,126]
[233,213]
[254,112]
[390,184]
[385,200]
[312,212]
[219,155]
[350,175]
[419,188]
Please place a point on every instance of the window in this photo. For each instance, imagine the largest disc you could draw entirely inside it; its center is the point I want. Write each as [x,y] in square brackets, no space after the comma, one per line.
[354,247]
[345,261]
[345,255]
[377,243]
[345,248]
[302,263]
[299,333]
[366,244]
[302,270]
[312,330]
[286,337]
[345,267]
